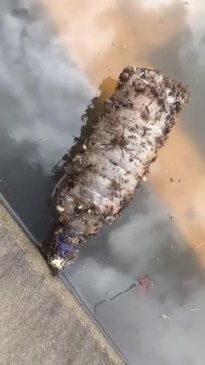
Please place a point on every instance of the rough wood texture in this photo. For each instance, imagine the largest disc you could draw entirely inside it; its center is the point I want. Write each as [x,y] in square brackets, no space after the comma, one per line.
[102,176]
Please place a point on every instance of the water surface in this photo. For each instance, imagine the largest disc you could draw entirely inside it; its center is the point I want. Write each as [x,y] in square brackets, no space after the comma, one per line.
[55,57]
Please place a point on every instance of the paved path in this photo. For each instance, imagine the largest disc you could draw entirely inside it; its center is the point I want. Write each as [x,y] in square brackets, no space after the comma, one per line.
[40,320]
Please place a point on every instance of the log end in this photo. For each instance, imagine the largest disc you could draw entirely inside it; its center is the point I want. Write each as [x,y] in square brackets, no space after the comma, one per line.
[63,250]
[140,78]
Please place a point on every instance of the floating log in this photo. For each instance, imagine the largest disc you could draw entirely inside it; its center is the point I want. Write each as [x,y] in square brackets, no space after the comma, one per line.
[102,175]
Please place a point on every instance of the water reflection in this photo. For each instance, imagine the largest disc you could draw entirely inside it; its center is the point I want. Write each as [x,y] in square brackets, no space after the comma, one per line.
[53,57]
[114,33]
[43,86]
[25,186]
[165,34]
[166,324]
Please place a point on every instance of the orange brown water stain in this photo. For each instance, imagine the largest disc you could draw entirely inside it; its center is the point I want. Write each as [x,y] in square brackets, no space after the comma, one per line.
[178,177]
[102,38]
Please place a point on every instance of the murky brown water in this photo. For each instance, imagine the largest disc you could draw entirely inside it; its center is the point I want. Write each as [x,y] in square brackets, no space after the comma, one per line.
[104,37]
[55,56]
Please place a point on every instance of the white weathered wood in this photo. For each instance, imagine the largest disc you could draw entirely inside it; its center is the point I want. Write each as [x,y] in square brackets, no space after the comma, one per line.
[102,176]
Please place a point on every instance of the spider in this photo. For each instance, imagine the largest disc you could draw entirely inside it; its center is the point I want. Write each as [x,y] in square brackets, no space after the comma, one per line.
[119,140]
[155,95]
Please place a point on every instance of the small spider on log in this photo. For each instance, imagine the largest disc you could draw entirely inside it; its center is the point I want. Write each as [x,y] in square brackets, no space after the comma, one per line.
[118,140]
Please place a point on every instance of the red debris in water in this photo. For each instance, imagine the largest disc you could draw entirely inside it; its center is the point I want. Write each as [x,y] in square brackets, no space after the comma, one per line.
[144,282]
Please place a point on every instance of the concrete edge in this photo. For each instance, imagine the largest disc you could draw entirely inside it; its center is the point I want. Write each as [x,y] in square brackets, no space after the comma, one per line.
[38,264]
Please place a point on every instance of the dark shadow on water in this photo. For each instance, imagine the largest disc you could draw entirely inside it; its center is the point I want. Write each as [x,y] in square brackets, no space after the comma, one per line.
[23,183]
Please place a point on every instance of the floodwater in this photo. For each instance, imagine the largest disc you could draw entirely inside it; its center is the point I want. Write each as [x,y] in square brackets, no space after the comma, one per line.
[55,57]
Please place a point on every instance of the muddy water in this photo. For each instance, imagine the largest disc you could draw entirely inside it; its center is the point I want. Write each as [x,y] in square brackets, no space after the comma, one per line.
[54,58]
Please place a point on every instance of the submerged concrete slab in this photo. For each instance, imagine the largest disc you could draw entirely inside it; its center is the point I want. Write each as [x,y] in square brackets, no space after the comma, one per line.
[41,322]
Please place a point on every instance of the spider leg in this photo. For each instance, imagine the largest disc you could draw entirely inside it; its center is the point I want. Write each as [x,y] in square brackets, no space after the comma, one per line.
[108,148]
[123,128]
[105,144]
[129,149]
[111,148]
[151,102]
[147,109]
[123,155]
[113,132]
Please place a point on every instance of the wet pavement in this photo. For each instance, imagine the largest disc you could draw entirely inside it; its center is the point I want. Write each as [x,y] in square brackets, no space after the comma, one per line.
[41,321]
[55,58]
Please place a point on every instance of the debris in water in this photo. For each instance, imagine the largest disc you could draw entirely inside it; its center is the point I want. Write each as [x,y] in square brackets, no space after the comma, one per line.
[165,316]
[194,309]
[102,174]
[145,282]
